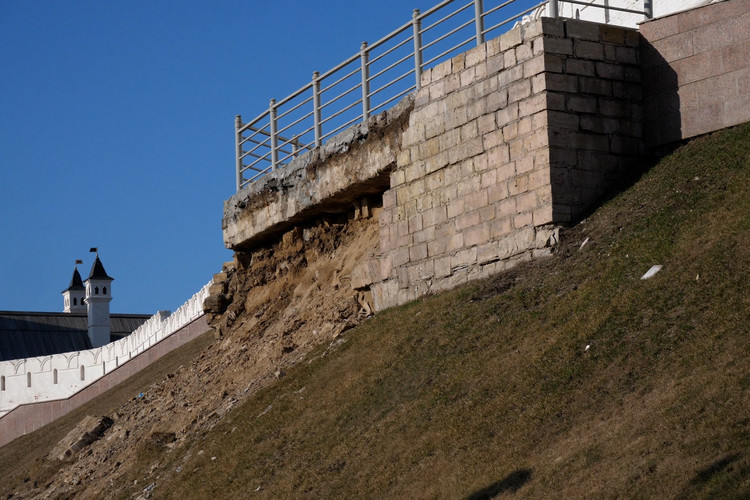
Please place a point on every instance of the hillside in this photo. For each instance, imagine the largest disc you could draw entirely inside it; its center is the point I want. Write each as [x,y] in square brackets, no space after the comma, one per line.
[568,377]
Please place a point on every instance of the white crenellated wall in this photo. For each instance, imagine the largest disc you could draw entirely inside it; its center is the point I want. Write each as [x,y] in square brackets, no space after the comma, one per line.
[59,376]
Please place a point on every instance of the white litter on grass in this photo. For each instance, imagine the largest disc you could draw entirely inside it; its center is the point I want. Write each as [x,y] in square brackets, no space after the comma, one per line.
[587,347]
[651,272]
[584,243]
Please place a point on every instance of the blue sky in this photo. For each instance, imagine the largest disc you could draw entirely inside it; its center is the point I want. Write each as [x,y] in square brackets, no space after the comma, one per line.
[116,130]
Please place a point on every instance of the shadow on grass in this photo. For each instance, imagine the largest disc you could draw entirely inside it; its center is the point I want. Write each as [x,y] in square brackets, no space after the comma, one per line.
[705,475]
[511,483]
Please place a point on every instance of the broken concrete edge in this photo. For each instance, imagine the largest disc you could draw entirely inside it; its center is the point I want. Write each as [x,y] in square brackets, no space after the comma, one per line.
[303,175]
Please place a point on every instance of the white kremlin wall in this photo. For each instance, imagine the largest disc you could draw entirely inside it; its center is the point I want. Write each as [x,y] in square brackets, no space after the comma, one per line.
[48,378]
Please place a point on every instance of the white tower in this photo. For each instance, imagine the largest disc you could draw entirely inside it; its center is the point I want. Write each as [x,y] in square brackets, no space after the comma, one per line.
[75,293]
[98,296]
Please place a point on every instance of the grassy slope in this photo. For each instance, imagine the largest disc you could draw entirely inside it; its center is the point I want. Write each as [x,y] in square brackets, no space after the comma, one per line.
[490,388]
[32,447]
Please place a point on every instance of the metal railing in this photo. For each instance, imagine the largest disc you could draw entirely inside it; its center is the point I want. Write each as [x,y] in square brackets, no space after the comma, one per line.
[379,74]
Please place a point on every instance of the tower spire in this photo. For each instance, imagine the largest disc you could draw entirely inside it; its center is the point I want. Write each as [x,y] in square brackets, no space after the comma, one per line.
[98,297]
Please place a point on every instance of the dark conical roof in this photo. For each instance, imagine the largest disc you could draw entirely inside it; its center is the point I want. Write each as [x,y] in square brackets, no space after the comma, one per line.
[98,272]
[75,282]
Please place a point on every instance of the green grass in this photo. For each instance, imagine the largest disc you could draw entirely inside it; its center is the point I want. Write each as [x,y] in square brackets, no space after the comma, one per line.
[489,389]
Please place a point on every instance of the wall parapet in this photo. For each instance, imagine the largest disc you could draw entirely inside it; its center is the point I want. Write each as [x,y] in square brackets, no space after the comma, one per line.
[47,378]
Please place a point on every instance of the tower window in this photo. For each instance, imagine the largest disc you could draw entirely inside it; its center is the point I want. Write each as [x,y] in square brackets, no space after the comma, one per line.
[2,383]
[54,376]
[28,379]
[104,291]
[75,301]
[83,372]
[96,290]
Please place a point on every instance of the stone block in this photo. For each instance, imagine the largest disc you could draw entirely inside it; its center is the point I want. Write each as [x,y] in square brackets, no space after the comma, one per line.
[443,267]
[610,71]
[497,193]
[507,115]
[418,252]
[476,55]
[580,104]
[476,235]
[524,52]
[596,86]
[562,46]
[584,30]
[555,27]
[522,220]
[562,83]
[501,227]
[588,50]
[510,39]
[464,258]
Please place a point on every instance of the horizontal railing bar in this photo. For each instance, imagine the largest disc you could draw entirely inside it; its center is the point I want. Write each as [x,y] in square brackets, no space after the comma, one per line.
[260,144]
[446,35]
[520,14]
[292,96]
[400,61]
[348,75]
[390,35]
[304,117]
[602,7]
[342,64]
[425,29]
[294,108]
[498,7]
[251,140]
[359,101]
[401,44]
[392,82]
[357,86]
[253,122]
[410,89]
[434,9]
[448,51]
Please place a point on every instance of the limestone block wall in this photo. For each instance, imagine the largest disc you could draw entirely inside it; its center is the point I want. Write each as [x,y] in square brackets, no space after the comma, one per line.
[594,110]
[505,142]
[46,378]
[696,69]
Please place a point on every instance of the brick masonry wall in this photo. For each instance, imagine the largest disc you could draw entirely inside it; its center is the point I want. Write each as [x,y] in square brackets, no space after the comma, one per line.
[505,141]
[696,71]
[30,417]
[595,112]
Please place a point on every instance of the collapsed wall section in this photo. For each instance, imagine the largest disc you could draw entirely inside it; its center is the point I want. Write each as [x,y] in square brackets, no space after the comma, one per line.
[476,172]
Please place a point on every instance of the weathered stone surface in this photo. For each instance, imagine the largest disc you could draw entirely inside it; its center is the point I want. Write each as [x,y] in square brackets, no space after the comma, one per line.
[351,165]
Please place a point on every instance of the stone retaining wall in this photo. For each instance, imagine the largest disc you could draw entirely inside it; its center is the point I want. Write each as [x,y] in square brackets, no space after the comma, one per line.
[696,69]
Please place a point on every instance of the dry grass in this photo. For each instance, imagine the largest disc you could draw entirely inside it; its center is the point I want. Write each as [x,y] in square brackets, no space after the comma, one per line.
[567,378]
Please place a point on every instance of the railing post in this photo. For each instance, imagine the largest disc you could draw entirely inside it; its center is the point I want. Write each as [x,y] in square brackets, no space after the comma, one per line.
[274,138]
[316,108]
[416,24]
[479,20]
[553,8]
[238,149]
[364,59]
[648,8]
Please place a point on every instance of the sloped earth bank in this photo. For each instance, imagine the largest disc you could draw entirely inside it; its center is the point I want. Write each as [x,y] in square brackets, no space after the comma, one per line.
[281,301]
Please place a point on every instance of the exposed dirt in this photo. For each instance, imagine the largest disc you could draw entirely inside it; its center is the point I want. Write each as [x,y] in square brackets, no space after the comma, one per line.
[278,303]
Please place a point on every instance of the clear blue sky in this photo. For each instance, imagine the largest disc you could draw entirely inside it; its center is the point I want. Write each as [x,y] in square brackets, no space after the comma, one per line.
[116,130]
